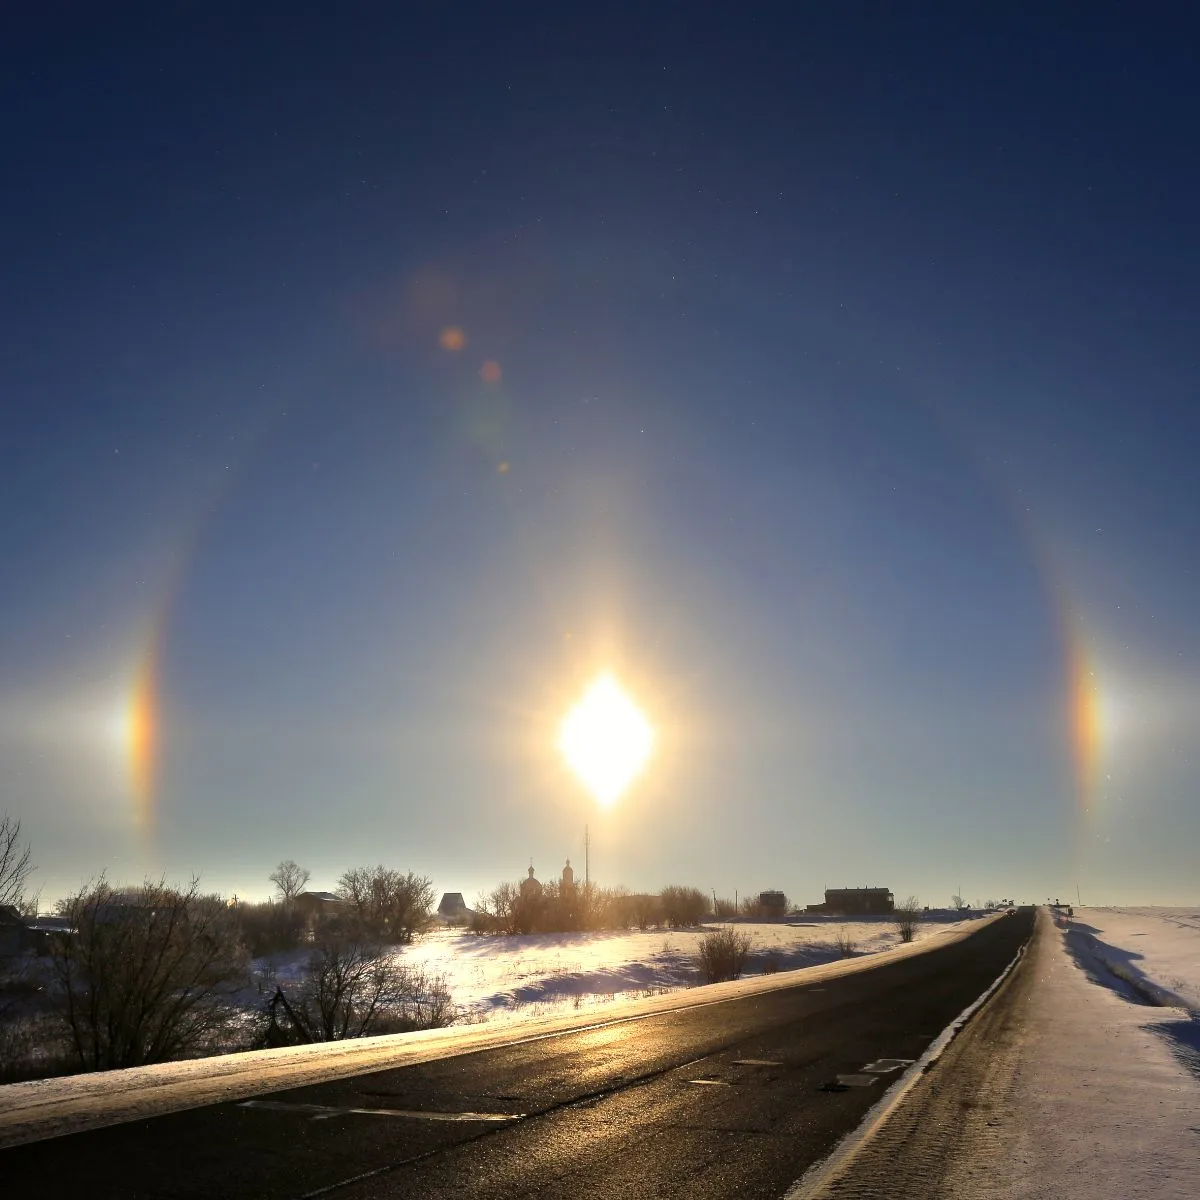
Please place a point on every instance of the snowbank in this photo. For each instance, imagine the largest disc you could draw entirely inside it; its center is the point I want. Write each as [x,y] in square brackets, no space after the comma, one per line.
[1106,1090]
[1154,952]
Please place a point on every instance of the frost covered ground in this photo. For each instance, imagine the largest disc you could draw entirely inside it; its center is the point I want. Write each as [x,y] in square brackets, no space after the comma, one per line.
[498,979]
[1105,1100]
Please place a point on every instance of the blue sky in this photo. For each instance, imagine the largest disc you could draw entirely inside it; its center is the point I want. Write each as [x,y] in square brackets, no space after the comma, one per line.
[845,410]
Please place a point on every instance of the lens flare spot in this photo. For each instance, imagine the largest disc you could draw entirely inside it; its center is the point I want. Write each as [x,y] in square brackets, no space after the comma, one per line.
[490,371]
[452,338]
[606,740]
[503,468]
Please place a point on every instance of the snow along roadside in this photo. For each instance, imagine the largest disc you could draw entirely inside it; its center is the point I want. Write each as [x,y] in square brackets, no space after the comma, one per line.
[48,1108]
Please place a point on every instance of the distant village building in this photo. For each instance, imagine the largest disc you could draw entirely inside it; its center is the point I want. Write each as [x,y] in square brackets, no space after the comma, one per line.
[856,902]
[313,904]
[568,878]
[453,908]
[531,888]
[772,904]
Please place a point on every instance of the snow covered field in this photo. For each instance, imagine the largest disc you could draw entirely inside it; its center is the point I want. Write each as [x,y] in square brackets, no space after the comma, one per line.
[1154,951]
[506,979]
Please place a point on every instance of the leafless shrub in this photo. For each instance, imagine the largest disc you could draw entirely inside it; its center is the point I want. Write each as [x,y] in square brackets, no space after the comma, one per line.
[352,989]
[724,909]
[765,905]
[645,910]
[683,906]
[271,928]
[771,962]
[481,921]
[145,975]
[33,1047]
[508,909]
[845,943]
[908,916]
[722,954]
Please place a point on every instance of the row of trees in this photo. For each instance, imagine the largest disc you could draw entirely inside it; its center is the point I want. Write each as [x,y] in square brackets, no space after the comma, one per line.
[375,904]
[509,908]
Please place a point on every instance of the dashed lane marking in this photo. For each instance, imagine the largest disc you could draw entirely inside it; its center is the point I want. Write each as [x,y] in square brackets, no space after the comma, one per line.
[323,1112]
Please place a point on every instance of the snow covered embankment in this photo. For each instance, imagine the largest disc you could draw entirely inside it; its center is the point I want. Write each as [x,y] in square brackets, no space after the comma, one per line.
[1105,1095]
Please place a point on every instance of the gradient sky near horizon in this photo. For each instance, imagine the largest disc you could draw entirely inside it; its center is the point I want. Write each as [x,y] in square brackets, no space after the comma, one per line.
[374,378]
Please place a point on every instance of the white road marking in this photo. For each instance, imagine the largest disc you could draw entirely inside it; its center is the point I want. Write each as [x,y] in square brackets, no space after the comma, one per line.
[323,1112]
[884,1066]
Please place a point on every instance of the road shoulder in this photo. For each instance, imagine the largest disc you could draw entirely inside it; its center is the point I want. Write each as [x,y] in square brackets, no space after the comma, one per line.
[1058,1088]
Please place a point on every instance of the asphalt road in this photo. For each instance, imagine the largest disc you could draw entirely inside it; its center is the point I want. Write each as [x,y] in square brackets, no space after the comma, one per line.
[734,1098]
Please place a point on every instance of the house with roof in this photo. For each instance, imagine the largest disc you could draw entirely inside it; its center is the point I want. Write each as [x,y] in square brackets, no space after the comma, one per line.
[453,909]
[856,902]
[316,904]
[16,937]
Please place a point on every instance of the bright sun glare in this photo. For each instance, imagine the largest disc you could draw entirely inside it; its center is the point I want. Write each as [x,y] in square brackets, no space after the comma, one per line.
[605,740]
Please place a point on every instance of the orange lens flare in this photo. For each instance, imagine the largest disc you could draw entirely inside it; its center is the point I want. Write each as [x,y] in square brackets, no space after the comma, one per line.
[452,338]
[141,743]
[1087,727]
[490,371]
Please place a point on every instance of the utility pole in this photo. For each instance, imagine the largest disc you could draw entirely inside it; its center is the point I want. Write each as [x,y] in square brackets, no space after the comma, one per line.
[587,865]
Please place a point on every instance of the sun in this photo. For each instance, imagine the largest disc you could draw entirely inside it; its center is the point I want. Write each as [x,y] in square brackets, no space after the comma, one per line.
[606,740]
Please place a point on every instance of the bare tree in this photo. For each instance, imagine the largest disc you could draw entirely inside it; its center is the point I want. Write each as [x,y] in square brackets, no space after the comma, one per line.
[145,975]
[15,864]
[957,902]
[388,905]
[353,989]
[289,879]
[908,916]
